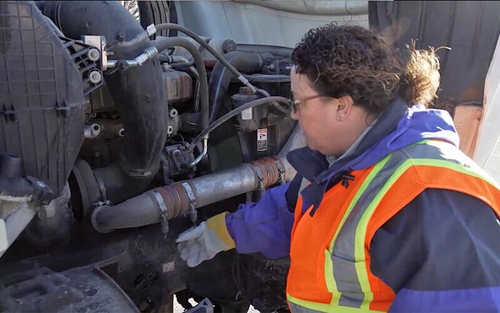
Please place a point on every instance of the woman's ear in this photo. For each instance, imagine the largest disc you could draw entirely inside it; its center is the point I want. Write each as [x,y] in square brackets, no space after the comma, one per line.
[344,106]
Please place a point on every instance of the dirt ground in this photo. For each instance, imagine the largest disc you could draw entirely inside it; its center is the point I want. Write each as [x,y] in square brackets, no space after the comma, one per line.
[179,309]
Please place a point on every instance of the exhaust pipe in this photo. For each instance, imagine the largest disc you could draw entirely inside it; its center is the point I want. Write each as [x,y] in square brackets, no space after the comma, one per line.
[168,202]
[137,92]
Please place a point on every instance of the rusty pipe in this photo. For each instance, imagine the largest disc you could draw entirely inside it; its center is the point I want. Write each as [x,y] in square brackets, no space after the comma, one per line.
[176,199]
[179,198]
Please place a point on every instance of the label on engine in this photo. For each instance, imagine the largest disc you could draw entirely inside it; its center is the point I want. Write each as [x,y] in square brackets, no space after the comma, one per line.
[246,114]
[168,267]
[262,139]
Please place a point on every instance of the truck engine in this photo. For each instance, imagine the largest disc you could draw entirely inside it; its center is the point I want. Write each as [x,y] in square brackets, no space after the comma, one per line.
[114,136]
[118,132]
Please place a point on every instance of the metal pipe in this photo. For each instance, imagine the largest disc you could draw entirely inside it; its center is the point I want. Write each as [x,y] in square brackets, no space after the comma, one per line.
[202,154]
[179,59]
[148,54]
[180,197]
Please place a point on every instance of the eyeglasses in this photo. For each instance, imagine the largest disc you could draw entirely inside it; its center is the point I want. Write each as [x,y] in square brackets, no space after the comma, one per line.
[294,103]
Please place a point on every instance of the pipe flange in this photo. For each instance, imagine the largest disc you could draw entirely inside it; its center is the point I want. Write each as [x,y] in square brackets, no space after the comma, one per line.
[85,190]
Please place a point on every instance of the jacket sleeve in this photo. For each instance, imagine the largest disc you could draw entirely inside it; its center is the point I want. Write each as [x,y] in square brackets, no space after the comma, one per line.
[263,226]
[441,253]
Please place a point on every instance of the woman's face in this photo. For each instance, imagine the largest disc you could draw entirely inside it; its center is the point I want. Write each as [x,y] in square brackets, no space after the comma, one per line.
[316,117]
[330,125]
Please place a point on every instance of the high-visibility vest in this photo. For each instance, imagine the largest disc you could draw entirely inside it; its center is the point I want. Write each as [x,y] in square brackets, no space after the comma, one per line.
[330,251]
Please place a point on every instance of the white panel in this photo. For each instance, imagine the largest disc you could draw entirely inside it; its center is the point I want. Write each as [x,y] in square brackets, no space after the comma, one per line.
[488,147]
[245,22]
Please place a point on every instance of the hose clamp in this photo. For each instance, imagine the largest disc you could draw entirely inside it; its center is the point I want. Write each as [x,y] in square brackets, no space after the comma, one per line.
[163,211]
[281,171]
[260,176]
[192,202]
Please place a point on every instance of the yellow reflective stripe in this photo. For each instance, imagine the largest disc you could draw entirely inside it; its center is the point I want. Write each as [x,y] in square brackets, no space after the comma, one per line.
[361,190]
[330,281]
[321,307]
[329,277]
[438,154]
[359,245]
[474,172]
[359,242]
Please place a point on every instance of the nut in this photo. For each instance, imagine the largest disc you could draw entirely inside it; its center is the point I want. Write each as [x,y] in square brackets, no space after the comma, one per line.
[173,113]
[95,77]
[93,54]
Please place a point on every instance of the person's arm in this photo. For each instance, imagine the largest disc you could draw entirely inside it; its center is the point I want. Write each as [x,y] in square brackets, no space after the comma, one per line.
[441,253]
[264,226]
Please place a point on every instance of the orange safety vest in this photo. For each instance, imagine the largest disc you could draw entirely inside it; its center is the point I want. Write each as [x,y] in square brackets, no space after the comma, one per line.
[330,251]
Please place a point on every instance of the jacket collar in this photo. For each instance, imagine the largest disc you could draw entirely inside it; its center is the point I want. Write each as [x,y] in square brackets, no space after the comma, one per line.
[314,166]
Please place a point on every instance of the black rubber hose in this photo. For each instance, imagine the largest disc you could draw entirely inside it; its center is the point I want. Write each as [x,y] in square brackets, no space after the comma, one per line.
[221,75]
[138,92]
[205,45]
[235,112]
[163,43]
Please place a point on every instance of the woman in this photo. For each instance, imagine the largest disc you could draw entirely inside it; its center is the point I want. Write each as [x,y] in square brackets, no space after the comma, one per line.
[385,212]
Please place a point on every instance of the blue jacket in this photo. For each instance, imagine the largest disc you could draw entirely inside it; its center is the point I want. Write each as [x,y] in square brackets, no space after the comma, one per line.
[441,253]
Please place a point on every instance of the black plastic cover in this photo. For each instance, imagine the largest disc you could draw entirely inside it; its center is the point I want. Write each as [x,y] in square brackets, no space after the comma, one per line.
[41,95]
[81,290]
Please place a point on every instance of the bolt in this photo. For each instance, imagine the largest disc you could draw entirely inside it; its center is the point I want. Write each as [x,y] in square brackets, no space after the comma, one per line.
[120,36]
[173,113]
[97,154]
[170,130]
[95,77]
[96,129]
[94,54]
[121,132]
[228,45]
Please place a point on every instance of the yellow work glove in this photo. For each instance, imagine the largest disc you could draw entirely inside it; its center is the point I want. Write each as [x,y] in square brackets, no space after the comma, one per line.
[203,242]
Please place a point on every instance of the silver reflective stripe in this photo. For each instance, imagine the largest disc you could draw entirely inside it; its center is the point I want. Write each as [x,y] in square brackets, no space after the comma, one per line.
[343,256]
[303,185]
[300,309]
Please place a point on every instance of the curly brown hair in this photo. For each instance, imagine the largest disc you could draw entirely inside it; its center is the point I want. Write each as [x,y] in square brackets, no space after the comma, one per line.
[421,78]
[352,60]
